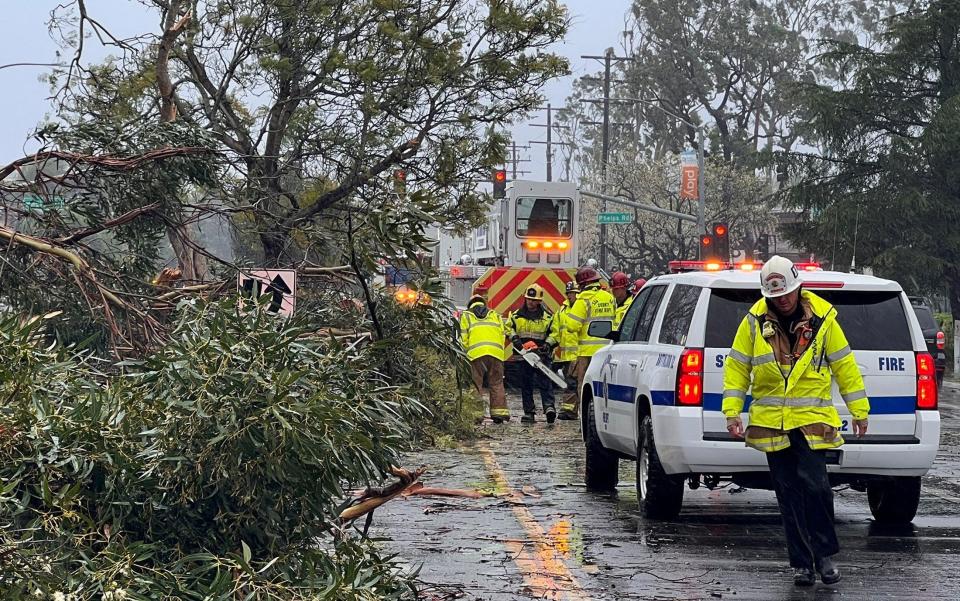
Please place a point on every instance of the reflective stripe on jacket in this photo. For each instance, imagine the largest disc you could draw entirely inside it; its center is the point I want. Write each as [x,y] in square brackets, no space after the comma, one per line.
[592,304]
[569,338]
[481,337]
[544,329]
[788,396]
[621,311]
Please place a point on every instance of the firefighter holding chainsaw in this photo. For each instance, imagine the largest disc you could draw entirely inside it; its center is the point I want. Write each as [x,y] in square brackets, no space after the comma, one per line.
[532,328]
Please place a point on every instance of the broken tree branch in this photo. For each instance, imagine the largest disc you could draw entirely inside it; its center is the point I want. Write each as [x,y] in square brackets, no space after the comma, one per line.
[373,498]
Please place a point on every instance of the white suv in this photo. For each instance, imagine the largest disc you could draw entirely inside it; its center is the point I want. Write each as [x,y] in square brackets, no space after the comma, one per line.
[681,326]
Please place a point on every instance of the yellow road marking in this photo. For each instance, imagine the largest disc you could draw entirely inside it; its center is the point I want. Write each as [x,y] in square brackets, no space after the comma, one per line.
[539,561]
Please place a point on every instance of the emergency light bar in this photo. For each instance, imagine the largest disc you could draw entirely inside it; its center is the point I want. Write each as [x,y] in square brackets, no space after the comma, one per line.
[686,266]
[546,244]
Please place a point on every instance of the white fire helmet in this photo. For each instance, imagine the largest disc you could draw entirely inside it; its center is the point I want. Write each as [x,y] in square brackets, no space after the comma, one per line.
[778,277]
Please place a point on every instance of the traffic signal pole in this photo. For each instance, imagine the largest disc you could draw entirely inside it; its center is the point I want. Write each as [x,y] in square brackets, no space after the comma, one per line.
[639,205]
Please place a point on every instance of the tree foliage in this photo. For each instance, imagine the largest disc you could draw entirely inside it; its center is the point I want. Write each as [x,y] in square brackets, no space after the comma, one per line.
[887,186]
[315,103]
[725,67]
[213,467]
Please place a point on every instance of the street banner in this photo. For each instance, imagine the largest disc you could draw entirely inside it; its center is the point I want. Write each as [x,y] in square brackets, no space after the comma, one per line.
[689,175]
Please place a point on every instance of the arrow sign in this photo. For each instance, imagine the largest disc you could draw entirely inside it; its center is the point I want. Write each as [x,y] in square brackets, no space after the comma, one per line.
[281,284]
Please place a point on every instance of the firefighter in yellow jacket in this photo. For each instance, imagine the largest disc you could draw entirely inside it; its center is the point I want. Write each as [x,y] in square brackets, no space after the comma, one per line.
[593,303]
[532,328]
[565,355]
[791,343]
[482,334]
[619,287]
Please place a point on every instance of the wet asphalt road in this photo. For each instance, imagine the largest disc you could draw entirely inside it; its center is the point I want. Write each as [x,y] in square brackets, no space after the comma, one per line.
[543,536]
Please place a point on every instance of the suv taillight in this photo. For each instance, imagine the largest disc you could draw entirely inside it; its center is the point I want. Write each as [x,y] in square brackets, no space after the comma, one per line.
[941,341]
[926,381]
[690,378]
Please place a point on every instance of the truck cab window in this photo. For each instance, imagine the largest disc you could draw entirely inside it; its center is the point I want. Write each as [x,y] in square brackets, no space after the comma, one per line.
[547,217]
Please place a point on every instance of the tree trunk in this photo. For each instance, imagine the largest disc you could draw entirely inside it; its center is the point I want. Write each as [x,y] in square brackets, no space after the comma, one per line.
[193,265]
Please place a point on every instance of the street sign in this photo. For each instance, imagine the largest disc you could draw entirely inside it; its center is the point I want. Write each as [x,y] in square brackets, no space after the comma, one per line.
[281,284]
[614,218]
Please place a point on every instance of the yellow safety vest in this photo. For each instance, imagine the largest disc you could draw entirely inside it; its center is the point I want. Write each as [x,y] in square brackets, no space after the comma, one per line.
[621,311]
[481,337]
[592,304]
[786,397]
[544,329]
[569,338]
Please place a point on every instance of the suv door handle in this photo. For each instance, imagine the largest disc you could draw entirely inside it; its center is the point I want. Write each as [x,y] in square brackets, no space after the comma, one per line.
[634,364]
[614,362]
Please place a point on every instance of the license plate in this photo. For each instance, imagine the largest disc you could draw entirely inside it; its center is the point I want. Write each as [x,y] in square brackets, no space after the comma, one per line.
[833,457]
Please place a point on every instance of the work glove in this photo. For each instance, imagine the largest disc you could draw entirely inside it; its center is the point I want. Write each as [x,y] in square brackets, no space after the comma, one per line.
[515,340]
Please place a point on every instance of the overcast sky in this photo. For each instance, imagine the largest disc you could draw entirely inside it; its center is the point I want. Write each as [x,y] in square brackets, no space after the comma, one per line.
[597,24]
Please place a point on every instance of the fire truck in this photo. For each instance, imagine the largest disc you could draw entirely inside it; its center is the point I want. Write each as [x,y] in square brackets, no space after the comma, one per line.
[531,237]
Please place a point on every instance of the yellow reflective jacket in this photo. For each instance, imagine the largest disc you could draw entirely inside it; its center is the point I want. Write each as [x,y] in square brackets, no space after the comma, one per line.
[569,338]
[539,328]
[592,304]
[795,393]
[481,336]
[621,311]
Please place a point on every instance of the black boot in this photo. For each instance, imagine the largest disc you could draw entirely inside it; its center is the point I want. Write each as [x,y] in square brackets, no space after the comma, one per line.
[551,415]
[829,572]
[804,577]
[527,418]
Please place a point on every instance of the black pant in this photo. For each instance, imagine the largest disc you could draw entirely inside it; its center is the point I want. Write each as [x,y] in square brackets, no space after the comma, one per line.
[531,377]
[806,501]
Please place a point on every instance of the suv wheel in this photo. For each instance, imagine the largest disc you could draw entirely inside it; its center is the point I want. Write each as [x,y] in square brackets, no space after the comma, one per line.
[602,466]
[659,494]
[894,500]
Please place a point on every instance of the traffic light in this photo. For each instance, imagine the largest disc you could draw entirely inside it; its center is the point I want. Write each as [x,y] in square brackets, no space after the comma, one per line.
[707,247]
[721,241]
[499,183]
[400,181]
[763,247]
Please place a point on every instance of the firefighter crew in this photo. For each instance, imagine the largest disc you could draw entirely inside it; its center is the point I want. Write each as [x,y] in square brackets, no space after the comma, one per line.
[619,286]
[593,303]
[533,328]
[566,354]
[792,346]
[482,335]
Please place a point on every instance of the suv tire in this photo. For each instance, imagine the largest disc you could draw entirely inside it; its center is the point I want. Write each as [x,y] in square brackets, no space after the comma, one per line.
[660,495]
[602,466]
[894,500]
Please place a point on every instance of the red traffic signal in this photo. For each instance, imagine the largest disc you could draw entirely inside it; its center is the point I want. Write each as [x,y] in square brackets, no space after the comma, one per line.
[707,250]
[499,183]
[721,239]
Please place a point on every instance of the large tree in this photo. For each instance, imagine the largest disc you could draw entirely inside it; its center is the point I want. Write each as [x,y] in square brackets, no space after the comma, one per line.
[315,103]
[724,66]
[886,188]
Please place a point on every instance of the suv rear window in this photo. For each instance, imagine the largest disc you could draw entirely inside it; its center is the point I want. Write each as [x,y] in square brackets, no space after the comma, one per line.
[925,317]
[872,321]
[679,314]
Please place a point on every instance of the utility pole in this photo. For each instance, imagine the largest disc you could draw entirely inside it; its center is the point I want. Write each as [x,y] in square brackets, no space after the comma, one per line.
[515,160]
[608,59]
[549,143]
